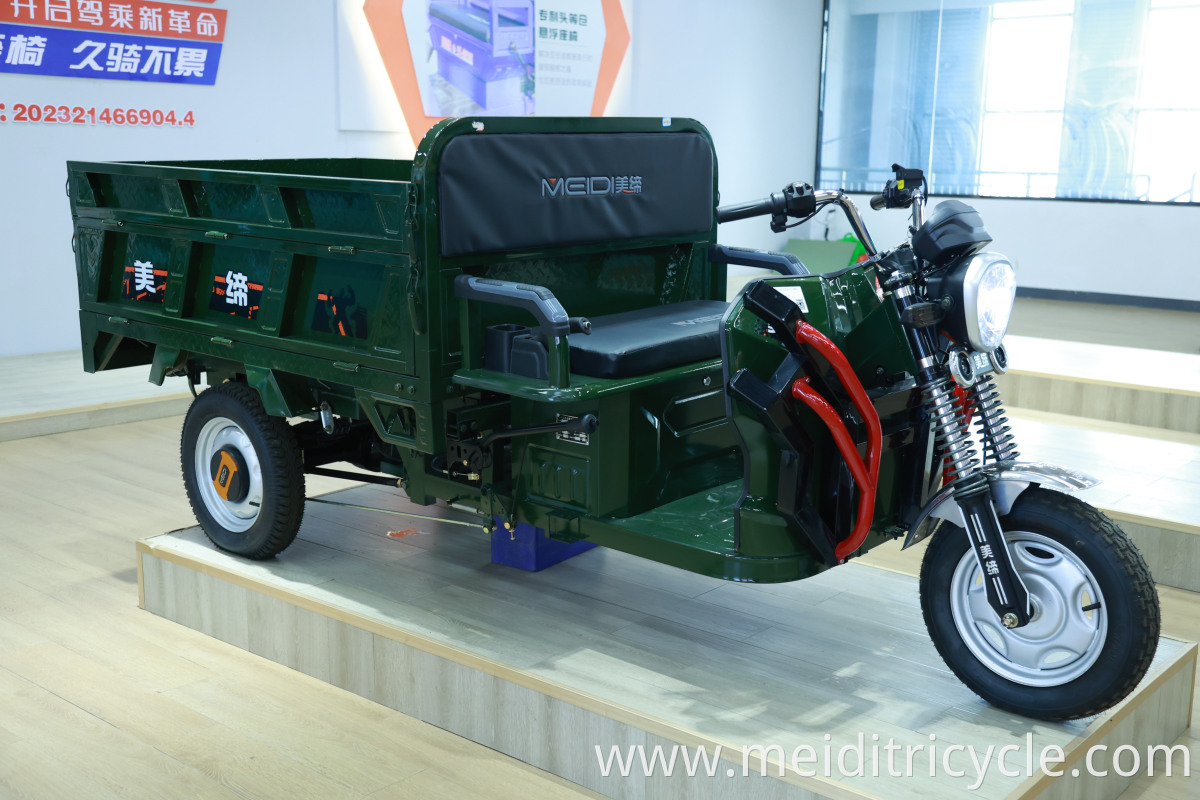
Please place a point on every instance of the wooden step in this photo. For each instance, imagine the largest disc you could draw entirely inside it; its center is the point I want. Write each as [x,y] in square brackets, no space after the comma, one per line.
[1151,488]
[1151,388]
[1151,482]
[50,393]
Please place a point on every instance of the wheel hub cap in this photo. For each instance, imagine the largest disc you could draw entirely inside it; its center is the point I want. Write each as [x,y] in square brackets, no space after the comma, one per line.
[233,493]
[229,475]
[1069,625]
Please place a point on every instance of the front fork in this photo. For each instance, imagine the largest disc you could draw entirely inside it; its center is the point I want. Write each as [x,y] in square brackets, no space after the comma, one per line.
[1006,593]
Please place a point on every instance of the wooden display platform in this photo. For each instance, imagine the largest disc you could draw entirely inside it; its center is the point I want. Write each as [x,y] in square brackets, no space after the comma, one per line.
[1132,385]
[1150,482]
[610,650]
[50,393]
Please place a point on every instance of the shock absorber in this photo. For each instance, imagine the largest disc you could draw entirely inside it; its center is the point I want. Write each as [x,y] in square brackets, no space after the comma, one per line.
[1006,593]
[951,425]
[953,436]
[999,444]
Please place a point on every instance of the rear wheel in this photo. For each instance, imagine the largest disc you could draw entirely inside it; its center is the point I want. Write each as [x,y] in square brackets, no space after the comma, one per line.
[242,471]
[1095,618]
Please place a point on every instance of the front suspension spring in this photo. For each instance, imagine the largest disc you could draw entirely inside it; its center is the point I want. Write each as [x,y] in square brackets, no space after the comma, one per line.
[953,434]
[999,444]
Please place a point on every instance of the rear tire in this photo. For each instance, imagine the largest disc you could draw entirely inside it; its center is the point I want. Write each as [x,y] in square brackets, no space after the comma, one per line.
[1096,613]
[242,471]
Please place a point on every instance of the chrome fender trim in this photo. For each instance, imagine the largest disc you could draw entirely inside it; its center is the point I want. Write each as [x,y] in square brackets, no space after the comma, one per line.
[1008,479]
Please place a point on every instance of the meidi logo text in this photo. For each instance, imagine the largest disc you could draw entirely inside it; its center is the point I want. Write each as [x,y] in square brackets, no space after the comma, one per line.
[584,186]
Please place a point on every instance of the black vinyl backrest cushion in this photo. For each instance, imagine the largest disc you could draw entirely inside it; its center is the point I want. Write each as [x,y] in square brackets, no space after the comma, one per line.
[519,191]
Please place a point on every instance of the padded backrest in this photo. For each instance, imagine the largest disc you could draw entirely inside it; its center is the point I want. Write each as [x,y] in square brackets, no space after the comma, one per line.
[515,192]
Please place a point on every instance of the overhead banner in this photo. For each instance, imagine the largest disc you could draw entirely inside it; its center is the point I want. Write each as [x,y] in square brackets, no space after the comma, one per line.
[131,41]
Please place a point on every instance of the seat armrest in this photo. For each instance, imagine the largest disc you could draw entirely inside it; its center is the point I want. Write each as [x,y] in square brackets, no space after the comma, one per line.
[537,300]
[783,263]
[553,322]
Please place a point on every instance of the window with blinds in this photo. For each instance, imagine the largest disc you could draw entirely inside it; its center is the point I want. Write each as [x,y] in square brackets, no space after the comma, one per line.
[1094,99]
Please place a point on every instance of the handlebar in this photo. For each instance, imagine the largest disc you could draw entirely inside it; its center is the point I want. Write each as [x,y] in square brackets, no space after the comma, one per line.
[789,202]
[906,190]
[796,200]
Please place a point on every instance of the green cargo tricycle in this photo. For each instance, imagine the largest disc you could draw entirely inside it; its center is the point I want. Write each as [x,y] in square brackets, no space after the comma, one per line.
[528,321]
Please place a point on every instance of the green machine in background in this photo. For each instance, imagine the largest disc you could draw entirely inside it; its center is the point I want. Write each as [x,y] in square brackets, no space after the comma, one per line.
[822,255]
[528,322]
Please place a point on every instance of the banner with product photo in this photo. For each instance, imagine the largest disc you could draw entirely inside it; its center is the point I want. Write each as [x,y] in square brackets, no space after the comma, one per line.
[444,58]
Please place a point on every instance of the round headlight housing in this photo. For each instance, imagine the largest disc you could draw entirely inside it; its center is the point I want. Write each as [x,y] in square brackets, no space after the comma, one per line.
[983,288]
[995,292]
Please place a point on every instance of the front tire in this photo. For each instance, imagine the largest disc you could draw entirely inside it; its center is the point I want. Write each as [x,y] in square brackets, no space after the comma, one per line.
[242,471]
[1096,615]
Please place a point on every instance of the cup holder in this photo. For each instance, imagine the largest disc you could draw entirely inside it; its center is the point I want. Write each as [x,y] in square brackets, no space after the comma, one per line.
[497,345]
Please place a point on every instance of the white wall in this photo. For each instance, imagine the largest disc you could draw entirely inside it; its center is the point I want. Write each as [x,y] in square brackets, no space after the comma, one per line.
[750,71]
[1110,248]
[275,97]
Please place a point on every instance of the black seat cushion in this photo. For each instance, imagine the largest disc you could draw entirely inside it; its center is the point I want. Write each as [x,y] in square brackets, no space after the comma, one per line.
[648,340]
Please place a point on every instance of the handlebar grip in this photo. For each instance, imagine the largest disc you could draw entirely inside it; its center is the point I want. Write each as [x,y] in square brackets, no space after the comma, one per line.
[879,202]
[736,211]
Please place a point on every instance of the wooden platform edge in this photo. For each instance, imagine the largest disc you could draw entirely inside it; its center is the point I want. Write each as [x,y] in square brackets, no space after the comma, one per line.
[1175,526]
[63,420]
[1181,668]
[653,726]
[1110,383]
[1185,664]
[1171,550]
[1103,425]
[1079,352]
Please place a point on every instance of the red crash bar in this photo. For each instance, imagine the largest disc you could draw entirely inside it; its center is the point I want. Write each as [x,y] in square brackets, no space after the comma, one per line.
[865,472]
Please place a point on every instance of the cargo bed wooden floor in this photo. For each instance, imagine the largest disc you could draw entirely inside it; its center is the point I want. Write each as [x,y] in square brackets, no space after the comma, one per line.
[608,649]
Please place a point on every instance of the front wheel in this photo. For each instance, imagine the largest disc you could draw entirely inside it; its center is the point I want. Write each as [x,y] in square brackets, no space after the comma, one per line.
[1095,618]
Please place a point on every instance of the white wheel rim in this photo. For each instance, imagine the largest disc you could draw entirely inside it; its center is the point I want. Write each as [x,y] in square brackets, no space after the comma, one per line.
[1070,618]
[222,433]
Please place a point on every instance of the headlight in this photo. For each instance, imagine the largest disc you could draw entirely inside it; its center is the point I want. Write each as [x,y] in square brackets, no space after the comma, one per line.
[989,290]
[983,288]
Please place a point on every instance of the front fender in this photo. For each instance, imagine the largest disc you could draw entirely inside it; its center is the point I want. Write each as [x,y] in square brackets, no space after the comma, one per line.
[1008,480]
